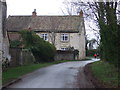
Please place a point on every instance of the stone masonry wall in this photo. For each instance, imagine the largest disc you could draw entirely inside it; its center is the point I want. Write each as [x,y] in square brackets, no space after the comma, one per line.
[64,55]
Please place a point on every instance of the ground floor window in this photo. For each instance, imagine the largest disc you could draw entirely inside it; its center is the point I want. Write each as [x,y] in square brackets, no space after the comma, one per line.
[64,49]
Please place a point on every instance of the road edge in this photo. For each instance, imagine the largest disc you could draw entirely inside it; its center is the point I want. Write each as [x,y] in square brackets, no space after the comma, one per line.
[89,75]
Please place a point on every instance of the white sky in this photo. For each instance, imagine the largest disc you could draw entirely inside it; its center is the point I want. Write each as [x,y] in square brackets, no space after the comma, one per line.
[26,7]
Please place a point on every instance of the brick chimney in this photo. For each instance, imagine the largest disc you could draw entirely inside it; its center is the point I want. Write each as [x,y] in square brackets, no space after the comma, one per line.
[34,13]
[81,13]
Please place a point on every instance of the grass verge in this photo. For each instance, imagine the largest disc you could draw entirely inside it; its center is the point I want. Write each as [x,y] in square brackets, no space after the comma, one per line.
[106,73]
[87,58]
[15,72]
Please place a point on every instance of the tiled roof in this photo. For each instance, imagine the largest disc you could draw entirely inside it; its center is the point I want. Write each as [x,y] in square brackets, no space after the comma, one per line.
[43,23]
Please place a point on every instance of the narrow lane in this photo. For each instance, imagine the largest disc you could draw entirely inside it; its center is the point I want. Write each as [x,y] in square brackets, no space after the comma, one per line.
[56,76]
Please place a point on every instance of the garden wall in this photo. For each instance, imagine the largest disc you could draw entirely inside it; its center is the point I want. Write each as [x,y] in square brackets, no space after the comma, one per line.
[64,55]
[21,57]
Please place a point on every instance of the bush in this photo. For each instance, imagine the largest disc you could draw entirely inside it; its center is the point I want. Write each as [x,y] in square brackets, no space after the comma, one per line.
[14,44]
[42,50]
[91,52]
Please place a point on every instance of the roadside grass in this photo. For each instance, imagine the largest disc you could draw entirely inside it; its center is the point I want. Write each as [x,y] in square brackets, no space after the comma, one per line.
[106,73]
[87,58]
[15,72]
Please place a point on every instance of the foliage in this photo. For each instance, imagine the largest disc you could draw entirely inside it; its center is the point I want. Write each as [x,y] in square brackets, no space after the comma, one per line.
[5,64]
[106,73]
[104,14]
[14,44]
[110,44]
[42,50]
[109,31]
[16,72]
[76,52]
[91,52]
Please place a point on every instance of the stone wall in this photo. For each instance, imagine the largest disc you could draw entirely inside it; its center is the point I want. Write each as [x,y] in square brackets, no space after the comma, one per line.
[21,57]
[1,34]
[27,57]
[64,55]
[1,37]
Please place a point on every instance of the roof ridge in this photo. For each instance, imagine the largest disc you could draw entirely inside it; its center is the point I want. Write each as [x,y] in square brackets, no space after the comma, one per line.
[44,16]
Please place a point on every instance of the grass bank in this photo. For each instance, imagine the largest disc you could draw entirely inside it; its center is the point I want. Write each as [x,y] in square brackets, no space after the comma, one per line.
[106,73]
[15,72]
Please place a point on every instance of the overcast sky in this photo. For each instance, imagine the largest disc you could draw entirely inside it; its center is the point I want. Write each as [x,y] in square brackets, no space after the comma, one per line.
[43,7]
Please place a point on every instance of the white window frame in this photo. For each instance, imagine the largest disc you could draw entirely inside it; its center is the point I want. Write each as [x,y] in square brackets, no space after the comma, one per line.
[64,37]
[44,36]
[63,49]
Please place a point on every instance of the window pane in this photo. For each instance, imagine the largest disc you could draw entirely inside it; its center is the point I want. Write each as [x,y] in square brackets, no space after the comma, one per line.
[64,37]
[64,49]
[45,36]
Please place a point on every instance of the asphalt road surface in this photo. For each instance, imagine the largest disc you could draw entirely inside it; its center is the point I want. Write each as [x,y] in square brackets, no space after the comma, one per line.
[61,75]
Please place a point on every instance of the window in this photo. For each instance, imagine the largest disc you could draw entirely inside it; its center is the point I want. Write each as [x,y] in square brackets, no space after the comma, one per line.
[44,36]
[64,37]
[64,49]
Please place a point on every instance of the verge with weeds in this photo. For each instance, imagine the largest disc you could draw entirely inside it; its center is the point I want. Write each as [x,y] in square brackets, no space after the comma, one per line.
[106,73]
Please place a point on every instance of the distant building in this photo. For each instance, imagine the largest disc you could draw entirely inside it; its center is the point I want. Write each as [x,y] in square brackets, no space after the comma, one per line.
[65,32]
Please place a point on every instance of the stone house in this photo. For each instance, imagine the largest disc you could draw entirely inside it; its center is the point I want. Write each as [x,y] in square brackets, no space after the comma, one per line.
[64,32]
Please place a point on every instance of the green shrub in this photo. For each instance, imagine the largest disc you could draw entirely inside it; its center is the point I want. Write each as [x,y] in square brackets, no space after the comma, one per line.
[91,52]
[42,50]
[14,44]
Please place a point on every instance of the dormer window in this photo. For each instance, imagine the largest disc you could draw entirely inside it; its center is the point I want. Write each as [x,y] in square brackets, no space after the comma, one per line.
[64,37]
[44,36]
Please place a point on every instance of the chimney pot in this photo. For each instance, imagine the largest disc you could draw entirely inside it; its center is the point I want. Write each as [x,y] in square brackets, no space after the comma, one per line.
[81,13]
[34,13]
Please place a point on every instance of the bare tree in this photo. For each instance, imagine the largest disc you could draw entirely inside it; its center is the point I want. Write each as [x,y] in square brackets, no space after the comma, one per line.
[91,43]
[69,8]
[55,23]
[97,12]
